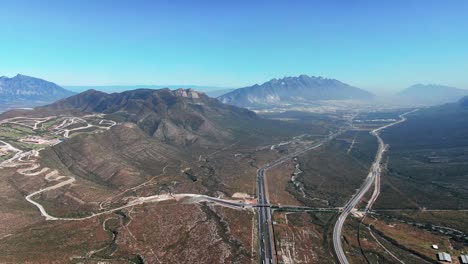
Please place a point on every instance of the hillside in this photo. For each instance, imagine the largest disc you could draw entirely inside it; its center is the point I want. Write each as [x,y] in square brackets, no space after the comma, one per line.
[153,128]
[180,116]
[293,91]
[121,140]
[430,94]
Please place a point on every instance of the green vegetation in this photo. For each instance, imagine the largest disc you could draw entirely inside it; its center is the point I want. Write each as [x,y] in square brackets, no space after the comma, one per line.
[267,131]
[381,115]
[427,165]
[14,132]
[426,169]
[55,207]
[84,131]
[363,243]
[77,125]
[332,173]
[453,219]
[5,157]
[49,123]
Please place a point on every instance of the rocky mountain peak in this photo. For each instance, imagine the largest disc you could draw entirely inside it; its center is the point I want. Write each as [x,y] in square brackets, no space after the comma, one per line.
[289,91]
[172,116]
[23,87]
[187,93]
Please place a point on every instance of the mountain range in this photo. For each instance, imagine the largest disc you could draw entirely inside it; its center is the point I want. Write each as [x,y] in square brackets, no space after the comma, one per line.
[292,91]
[212,91]
[182,116]
[155,128]
[431,94]
[181,142]
[22,87]
[24,91]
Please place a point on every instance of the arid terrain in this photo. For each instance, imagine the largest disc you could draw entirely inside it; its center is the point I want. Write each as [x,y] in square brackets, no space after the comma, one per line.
[233,132]
[103,187]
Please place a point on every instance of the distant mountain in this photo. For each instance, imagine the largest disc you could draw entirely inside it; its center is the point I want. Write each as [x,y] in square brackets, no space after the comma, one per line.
[431,94]
[26,88]
[123,88]
[463,102]
[218,93]
[181,116]
[293,91]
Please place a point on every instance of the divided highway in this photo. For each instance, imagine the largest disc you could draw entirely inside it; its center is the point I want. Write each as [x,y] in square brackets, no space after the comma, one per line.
[267,250]
[372,177]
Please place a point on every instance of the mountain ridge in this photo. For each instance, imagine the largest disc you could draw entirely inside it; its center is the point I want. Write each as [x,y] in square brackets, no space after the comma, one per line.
[294,90]
[463,102]
[431,94]
[30,88]
[182,116]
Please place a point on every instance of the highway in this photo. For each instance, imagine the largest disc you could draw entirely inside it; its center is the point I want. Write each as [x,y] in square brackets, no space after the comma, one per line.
[267,250]
[264,221]
[372,177]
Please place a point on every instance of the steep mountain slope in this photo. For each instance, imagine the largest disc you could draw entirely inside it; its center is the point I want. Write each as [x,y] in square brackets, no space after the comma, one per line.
[156,128]
[122,156]
[431,94]
[23,87]
[293,91]
[180,116]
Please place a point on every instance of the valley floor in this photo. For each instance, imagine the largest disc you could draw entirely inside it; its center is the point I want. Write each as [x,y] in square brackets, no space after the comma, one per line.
[205,209]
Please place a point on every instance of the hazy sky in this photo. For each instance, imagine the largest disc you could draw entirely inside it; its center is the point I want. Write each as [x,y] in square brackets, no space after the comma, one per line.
[370,44]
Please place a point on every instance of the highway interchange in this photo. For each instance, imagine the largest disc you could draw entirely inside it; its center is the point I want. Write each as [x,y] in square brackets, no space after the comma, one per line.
[264,208]
[266,241]
[267,250]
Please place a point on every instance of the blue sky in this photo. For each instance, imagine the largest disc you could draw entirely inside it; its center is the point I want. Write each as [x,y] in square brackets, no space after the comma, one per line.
[376,45]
